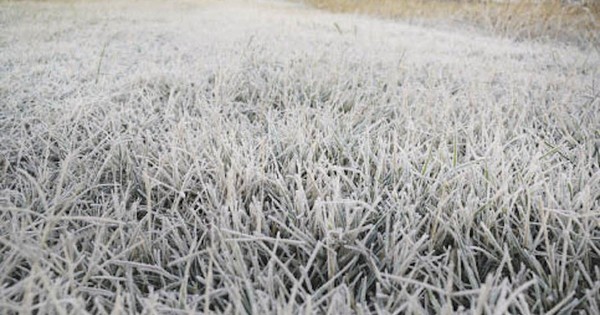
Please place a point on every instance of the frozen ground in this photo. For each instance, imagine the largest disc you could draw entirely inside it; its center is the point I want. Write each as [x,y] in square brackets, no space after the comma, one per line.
[262,157]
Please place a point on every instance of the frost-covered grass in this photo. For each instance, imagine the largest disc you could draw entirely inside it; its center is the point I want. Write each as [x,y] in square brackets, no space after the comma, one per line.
[262,157]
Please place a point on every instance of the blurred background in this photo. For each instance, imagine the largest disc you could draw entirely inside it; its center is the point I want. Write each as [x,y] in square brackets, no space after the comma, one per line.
[575,21]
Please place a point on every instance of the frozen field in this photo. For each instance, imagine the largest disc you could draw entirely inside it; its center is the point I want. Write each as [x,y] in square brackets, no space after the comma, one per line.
[267,158]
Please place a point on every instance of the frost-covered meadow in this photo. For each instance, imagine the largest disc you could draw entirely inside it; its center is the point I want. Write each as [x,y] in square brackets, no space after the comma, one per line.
[264,157]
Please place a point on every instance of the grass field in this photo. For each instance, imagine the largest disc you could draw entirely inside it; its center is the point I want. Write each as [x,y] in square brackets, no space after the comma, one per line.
[576,22]
[260,157]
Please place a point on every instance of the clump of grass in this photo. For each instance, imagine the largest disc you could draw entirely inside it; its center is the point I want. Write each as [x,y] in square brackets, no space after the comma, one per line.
[282,164]
[577,22]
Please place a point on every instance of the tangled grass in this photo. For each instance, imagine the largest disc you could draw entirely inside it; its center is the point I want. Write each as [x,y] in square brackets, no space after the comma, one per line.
[168,160]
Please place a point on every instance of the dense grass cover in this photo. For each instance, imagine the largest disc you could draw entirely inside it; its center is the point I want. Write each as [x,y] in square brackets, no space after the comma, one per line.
[269,158]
